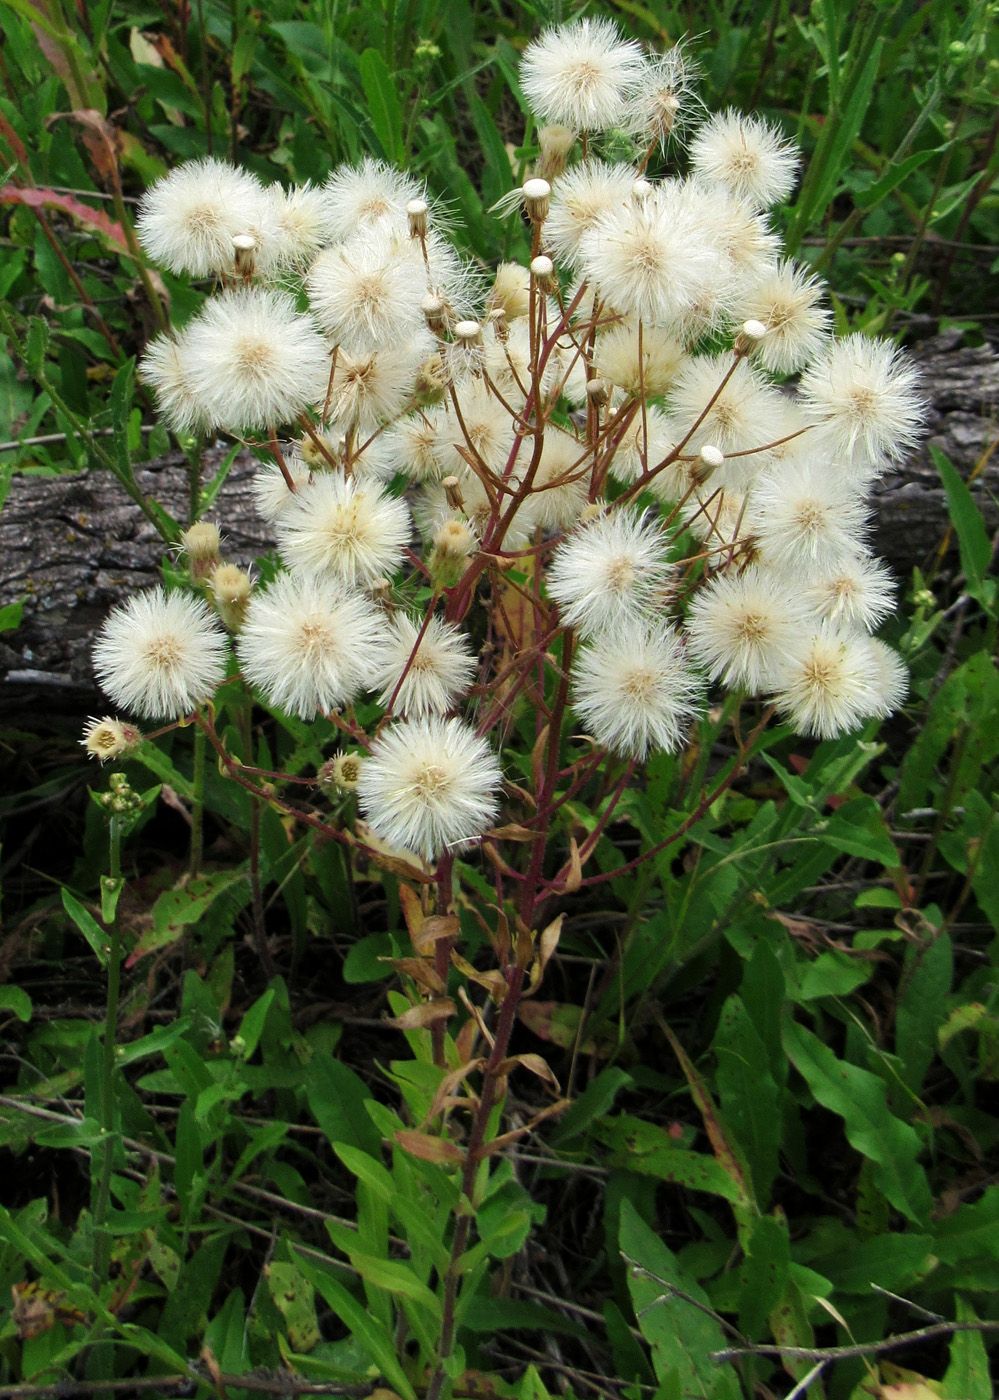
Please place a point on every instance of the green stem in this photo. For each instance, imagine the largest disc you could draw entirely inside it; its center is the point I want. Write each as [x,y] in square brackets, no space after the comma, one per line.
[102,1237]
[198,804]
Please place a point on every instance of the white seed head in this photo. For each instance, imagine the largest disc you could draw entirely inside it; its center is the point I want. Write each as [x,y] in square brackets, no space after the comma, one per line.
[635,689]
[430,677]
[429,785]
[160,654]
[339,529]
[751,159]
[254,361]
[580,75]
[609,570]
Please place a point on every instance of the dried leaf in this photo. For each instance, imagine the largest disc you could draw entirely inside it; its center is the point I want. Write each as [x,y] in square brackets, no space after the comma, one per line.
[449,1083]
[514,832]
[412,911]
[429,1149]
[575,876]
[425,1014]
[535,1063]
[435,928]
[37,1309]
[99,137]
[494,982]
[547,944]
[422,973]
[505,1139]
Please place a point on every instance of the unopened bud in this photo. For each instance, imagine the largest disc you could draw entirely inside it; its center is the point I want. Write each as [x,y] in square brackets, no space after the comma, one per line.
[641,190]
[754,330]
[201,543]
[598,392]
[230,588]
[320,452]
[416,212]
[555,143]
[537,199]
[454,538]
[453,544]
[500,325]
[512,290]
[430,384]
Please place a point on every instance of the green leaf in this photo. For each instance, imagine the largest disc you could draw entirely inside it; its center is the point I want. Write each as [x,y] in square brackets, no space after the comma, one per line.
[152,1044]
[674,1315]
[858,828]
[176,910]
[251,1028]
[383,103]
[750,1098]
[860,1099]
[972,537]
[397,1277]
[922,1009]
[366,1168]
[120,405]
[111,888]
[971,1232]
[88,926]
[644,1147]
[764,1273]
[893,177]
[10,614]
[379,1345]
[967,1376]
[593,1104]
[294,1297]
[36,345]
[17,1000]
[337,1098]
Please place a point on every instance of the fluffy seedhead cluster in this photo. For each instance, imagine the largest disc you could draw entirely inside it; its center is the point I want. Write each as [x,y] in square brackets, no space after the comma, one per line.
[592,467]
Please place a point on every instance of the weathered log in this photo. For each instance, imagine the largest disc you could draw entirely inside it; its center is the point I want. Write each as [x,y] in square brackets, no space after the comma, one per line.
[73,546]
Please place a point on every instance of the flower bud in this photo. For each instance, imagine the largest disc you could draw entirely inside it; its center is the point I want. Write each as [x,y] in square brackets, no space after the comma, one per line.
[201,543]
[453,544]
[230,588]
[430,384]
[555,142]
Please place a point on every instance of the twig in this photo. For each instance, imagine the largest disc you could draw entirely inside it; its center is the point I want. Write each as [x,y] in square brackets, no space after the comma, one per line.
[904,1339]
[261,1382]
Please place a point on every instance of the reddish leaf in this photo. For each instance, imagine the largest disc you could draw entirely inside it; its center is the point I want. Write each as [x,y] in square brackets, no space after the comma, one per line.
[94,219]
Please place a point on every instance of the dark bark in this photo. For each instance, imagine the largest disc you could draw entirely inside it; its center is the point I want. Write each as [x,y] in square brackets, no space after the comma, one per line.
[73,546]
